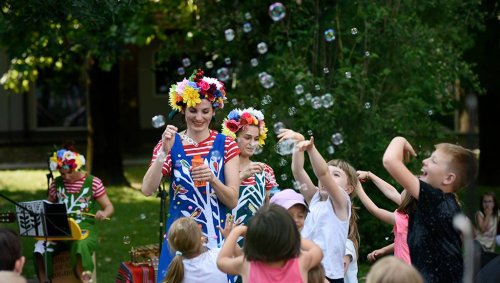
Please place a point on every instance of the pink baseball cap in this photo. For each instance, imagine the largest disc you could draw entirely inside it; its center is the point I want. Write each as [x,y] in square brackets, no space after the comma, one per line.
[288,198]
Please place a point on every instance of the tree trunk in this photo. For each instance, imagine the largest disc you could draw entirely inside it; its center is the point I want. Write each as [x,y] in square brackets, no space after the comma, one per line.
[105,122]
[487,51]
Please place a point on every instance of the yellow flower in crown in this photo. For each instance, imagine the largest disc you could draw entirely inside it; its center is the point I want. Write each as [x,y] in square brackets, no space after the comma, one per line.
[238,119]
[190,92]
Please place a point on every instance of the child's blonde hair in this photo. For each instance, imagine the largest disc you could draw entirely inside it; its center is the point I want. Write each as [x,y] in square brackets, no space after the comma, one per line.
[463,163]
[391,269]
[352,180]
[184,236]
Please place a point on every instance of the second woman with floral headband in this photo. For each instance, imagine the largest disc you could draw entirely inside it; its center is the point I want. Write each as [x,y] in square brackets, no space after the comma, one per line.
[247,127]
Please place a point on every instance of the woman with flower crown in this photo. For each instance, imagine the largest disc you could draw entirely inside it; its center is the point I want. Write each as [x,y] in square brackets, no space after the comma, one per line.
[80,192]
[204,192]
[248,128]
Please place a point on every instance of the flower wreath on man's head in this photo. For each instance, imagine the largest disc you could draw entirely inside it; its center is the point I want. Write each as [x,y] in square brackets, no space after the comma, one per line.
[190,92]
[238,119]
[66,159]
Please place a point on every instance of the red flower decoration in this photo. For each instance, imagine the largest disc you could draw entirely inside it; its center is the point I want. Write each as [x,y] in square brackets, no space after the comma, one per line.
[233,126]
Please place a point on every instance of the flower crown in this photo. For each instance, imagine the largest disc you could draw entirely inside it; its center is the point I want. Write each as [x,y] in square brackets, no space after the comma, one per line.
[66,159]
[190,92]
[238,119]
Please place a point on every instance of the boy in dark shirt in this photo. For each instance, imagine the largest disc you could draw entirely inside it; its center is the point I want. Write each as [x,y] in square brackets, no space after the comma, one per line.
[435,246]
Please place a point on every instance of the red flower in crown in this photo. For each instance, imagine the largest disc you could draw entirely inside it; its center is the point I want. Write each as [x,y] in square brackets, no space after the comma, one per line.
[232,125]
[246,119]
[204,86]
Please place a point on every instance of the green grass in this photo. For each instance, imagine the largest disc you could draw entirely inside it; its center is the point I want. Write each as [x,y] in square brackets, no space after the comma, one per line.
[130,208]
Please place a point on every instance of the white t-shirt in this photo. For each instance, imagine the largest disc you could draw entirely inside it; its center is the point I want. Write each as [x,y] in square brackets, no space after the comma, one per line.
[324,228]
[203,269]
[351,275]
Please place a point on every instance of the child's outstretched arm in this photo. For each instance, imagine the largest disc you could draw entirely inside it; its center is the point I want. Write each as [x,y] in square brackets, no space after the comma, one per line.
[376,254]
[307,187]
[396,153]
[311,254]
[387,189]
[226,261]
[382,214]
[320,167]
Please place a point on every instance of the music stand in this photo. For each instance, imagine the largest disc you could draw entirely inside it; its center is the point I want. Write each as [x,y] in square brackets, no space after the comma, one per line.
[43,221]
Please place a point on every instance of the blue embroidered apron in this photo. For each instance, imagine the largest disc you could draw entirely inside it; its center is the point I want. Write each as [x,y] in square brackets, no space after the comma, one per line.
[200,203]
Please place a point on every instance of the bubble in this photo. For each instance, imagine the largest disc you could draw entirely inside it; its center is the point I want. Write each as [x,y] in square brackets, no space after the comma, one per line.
[329,35]
[330,149]
[284,177]
[310,132]
[107,259]
[277,11]
[223,74]
[316,102]
[289,43]
[254,62]
[430,112]
[285,147]
[142,216]
[234,101]
[299,89]
[209,64]
[327,100]
[326,70]
[126,240]
[215,56]
[292,111]
[302,101]
[337,139]
[248,16]
[296,185]
[317,87]
[229,34]
[368,105]
[354,31]
[227,60]
[266,100]
[278,126]
[158,121]
[181,71]
[348,75]
[367,53]
[189,34]
[272,116]
[262,47]
[215,156]
[257,151]
[283,162]
[266,80]
[186,62]
[247,27]
[308,96]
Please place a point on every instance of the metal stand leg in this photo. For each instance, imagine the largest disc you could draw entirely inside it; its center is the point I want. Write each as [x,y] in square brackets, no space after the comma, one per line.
[162,194]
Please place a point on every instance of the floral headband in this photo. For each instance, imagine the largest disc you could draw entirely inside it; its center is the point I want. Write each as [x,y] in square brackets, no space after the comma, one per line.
[238,119]
[190,92]
[66,159]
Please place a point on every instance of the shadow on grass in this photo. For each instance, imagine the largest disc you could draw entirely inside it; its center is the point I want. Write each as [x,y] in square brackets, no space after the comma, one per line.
[135,217]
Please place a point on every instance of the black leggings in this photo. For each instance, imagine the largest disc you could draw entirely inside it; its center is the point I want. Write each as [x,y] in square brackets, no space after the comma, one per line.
[340,280]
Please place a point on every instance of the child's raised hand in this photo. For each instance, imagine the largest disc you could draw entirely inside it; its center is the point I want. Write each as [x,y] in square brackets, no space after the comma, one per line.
[305,145]
[286,134]
[228,227]
[408,151]
[363,176]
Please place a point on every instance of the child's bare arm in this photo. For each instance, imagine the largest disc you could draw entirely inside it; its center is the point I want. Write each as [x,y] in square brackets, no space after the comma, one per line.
[320,167]
[376,254]
[311,254]
[382,214]
[396,153]
[226,261]
[307,187]
[387,189]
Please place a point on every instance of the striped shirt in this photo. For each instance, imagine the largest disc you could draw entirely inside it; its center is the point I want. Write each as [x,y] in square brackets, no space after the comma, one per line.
[98,189]
[231,150]
[270,178]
